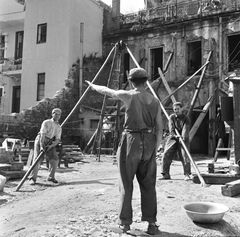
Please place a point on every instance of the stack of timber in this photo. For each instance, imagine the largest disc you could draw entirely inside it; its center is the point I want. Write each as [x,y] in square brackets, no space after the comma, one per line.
[71,154]
[24,155]
[10,168]
[220,172]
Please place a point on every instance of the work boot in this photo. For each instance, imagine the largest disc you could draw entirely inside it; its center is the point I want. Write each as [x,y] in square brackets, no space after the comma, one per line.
[188,177]
[152,229]
[124,228]
[165,177]
[32,181]
[52,180]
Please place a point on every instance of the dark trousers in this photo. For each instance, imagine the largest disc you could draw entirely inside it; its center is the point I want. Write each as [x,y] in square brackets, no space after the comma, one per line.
[51,156]
[136,156]
[173,147]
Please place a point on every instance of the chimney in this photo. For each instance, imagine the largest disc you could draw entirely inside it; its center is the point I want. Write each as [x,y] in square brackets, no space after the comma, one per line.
[116,13]
[116,8]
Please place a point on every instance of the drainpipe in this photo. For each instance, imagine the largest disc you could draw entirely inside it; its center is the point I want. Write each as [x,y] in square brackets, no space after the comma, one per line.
[81,59]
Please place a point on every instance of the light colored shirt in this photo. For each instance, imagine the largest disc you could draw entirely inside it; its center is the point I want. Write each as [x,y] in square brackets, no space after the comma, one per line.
[51,129]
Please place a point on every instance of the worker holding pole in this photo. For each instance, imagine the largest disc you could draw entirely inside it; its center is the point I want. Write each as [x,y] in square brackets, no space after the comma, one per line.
[178,120]
[50,130]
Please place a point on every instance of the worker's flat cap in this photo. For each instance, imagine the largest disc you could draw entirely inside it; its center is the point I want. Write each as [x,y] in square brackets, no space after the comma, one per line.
[178,103]
[56,110]
[138,73]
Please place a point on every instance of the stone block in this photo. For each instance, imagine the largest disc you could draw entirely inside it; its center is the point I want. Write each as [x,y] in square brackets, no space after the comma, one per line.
[16,166]
[231,189]
[13,174]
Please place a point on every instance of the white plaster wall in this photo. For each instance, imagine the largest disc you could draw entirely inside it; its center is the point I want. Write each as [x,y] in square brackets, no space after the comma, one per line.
[91,14]
[62,48]
[8,83]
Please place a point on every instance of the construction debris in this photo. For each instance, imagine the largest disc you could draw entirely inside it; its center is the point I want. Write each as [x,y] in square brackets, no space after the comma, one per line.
[10,168]
[231,189]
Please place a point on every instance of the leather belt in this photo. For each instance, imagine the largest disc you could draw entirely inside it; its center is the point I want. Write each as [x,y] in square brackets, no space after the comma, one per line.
[138,131]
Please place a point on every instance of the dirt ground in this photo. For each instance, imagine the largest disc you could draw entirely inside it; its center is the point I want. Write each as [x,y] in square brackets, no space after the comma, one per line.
[85,203]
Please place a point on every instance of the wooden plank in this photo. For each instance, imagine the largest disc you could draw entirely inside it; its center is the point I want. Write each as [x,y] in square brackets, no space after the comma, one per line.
[212,122]
[185,82]
[231,189]
[236,108]
[230,137]
[165,83]
[216,178]
[196,93]
[224,149]
[200,119]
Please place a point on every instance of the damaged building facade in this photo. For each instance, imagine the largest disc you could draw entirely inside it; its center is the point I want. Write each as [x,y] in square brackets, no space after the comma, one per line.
[190,30]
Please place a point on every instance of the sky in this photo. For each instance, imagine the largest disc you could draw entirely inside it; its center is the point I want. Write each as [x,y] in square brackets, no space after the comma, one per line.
[128,6]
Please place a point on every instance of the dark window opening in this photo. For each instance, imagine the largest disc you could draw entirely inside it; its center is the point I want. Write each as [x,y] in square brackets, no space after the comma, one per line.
[18,48]
[194,57]
[42,33]
[233,52]
[199,143]
[126,66]
[1,91]
[94,123]
[156,62]
[2,48]
[40,86]
[16,99]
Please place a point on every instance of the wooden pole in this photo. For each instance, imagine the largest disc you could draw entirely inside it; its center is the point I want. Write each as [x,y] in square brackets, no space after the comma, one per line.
[200,118]
[236,109]
[165,83]
[30,170]
[166,114]
[198,87]
[80,100]
[185,82]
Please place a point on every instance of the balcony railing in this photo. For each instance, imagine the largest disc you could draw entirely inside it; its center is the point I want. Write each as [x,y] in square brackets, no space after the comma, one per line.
[180,11]
[10,64]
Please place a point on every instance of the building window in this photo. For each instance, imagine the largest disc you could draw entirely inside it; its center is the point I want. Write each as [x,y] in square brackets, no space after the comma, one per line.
[94,123]
[2,48]
[194,57]
[42,33]
[40,86]
[156,62]
[16,99]
[18,48]
[233,52]
[1,91]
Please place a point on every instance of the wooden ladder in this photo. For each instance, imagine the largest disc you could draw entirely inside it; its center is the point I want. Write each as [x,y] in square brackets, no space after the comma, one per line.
[220,146]
[111,114]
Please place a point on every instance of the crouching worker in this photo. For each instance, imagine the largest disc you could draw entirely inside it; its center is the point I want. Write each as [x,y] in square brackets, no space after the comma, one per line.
[50,129]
